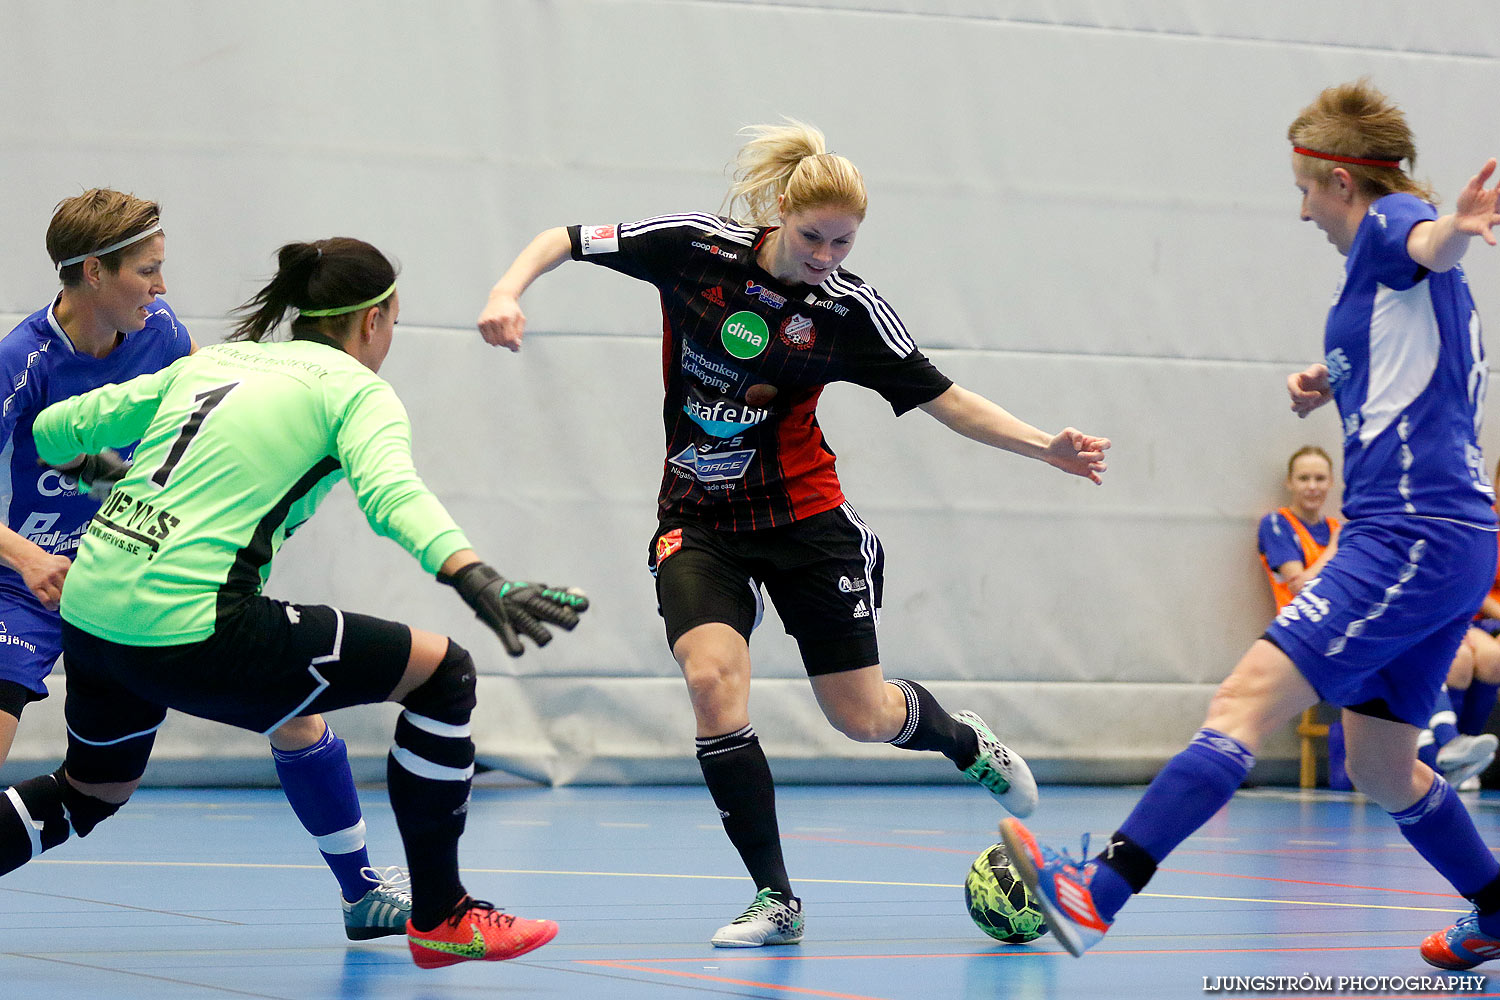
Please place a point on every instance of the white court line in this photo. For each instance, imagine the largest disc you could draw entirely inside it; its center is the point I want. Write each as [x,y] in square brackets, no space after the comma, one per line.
[743,878]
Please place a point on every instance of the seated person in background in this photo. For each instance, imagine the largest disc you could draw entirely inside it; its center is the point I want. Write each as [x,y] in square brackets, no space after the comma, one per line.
[1471,694]
[1455,742]
[1295,538]
[1292,538]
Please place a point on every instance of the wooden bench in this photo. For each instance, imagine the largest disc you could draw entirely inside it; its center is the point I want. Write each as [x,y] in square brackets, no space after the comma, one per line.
[1310,729]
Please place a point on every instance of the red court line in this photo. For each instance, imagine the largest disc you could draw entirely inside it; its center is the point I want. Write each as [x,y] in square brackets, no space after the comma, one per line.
[1017,952]
[1298,881]
[728,981]
[1180,871]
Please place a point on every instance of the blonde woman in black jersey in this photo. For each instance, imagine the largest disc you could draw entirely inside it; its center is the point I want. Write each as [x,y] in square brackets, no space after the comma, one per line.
[759,316]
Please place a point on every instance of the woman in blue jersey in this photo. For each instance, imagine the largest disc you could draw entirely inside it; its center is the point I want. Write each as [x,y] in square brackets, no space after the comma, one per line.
[1377,628]
[109,324]
[759,317]
[162,608]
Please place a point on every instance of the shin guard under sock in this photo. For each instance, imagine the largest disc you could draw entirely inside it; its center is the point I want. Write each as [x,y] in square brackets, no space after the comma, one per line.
[1443,832]
[930,727]
[320,789]
[428,774]
[739,779]
[1194,785]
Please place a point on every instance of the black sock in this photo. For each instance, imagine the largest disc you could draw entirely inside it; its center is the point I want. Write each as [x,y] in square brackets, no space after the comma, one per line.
[739,779]
[39,815]
[428,778]
[929,727]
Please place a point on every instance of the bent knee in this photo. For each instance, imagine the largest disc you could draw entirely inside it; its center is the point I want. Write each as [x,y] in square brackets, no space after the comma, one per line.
[862,727]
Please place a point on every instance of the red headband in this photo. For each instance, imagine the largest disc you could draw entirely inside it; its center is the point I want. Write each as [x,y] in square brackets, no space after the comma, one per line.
[1358,160]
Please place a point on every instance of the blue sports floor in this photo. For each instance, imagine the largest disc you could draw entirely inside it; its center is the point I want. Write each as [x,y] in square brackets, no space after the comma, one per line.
[219,894]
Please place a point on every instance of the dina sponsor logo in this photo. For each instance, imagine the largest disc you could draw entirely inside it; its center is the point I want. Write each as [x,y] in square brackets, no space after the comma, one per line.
[745,335]
[713,466]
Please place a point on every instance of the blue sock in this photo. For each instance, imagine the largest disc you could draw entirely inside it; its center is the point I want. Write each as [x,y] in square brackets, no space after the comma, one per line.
[320,788]
[1189,790]
[1443,832]
[1474,714]
[1427,748]
[1444,722]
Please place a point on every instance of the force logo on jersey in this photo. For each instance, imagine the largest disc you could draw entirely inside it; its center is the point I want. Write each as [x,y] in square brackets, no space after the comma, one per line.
[713,467]
[598,239]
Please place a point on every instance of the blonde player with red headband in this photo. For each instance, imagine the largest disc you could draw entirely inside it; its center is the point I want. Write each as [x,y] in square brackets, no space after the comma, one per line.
[1376,629]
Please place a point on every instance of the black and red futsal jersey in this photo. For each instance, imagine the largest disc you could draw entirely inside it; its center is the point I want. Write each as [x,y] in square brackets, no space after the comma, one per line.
[744,359]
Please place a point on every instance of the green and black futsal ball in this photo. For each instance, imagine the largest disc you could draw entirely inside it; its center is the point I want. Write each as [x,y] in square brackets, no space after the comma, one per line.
[998,902]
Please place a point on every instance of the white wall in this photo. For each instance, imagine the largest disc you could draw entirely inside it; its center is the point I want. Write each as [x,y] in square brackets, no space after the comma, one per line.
[1083,212]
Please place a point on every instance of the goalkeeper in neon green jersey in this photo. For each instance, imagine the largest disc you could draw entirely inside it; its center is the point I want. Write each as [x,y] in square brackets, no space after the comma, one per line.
[163,608]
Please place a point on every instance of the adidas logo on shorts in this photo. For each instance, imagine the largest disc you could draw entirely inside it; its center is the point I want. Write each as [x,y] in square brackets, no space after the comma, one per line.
[861,611]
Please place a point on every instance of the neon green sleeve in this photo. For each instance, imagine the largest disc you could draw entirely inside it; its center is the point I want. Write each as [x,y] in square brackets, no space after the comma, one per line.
[374,446]
[107,417]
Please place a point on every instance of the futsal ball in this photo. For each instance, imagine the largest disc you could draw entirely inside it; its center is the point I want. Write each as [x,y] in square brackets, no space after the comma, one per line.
[998,901]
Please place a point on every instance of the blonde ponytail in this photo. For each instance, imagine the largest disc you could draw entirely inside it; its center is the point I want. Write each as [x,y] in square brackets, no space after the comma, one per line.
[787,168]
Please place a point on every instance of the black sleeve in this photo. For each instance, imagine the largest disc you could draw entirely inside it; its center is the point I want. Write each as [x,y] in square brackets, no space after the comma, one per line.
[882,355]
[650,250]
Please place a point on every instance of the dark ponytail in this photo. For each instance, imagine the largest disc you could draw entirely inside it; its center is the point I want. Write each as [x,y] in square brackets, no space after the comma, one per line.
[326,274]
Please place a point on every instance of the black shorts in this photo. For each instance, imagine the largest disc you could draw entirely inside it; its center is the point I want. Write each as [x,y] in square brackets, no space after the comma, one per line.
[266,664]
[823,573]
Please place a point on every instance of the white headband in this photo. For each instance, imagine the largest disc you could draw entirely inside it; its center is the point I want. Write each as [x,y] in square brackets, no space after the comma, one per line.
[111,248]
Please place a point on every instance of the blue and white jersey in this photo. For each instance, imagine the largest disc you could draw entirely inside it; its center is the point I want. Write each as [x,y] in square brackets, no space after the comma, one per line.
[1406,363]
[39,366]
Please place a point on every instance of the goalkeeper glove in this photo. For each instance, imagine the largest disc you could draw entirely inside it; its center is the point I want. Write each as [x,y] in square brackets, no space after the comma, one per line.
[513,608]
[97,474]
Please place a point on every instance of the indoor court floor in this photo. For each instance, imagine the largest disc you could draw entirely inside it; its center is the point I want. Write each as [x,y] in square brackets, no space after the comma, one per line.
[219,894]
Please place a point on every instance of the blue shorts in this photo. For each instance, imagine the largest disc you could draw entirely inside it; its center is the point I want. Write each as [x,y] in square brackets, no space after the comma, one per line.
[1385,616]
[30,642]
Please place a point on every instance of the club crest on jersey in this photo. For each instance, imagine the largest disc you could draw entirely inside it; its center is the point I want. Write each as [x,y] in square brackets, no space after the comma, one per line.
[763,293]
[745,335]
[713,467]
[598,239]
[668,544]
[797,331]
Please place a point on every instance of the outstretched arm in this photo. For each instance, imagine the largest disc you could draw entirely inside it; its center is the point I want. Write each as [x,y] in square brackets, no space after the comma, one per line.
[502,323]
[976,417]
[1439,245]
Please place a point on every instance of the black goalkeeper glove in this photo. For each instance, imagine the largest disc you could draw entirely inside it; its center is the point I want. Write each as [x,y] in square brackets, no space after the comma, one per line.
[513,608]
[97,474]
